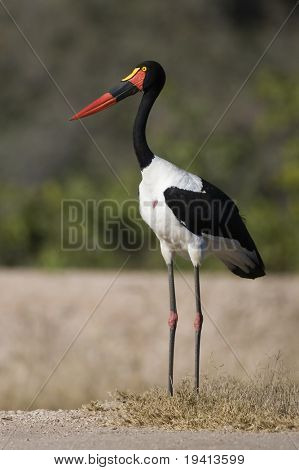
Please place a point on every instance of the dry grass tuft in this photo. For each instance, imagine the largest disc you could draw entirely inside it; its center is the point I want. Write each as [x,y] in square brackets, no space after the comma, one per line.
[268,403]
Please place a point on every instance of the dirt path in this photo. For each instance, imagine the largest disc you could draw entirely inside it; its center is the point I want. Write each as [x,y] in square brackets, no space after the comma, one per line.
[42,429]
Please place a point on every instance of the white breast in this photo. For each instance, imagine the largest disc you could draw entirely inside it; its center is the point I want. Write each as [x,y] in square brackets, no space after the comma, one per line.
[156,178]
[161,174]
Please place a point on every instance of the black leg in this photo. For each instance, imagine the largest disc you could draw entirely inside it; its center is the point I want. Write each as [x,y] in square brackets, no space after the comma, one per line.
[198,326]
[172,322]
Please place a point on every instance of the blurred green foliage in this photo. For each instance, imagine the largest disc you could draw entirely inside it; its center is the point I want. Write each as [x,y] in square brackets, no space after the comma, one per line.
[32,217]
[253,155]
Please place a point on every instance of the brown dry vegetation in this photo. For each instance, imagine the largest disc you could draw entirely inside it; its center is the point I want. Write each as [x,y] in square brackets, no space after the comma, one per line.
[267,403]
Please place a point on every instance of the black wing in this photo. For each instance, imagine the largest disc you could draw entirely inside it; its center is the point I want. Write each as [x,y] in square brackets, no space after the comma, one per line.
[212,212]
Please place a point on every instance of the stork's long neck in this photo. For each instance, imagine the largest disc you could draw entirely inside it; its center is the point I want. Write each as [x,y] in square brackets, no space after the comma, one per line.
[142,150]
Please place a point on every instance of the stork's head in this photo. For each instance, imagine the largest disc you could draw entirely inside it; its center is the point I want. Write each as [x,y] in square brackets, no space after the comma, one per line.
[144,77]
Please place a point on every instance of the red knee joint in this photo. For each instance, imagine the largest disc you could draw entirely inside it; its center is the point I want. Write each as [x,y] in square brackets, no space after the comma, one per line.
[198,322]
[172,320]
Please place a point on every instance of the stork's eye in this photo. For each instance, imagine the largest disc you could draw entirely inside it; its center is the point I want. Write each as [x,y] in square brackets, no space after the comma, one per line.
[144,69]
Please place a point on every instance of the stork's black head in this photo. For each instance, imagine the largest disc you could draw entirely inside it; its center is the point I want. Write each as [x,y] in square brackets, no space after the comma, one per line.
[154,75]
[146,76]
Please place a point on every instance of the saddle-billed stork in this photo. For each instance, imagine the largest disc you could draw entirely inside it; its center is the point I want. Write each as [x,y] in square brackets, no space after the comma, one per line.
[189,215]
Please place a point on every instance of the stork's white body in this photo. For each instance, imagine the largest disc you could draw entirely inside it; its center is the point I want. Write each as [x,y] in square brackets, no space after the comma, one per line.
[173,236]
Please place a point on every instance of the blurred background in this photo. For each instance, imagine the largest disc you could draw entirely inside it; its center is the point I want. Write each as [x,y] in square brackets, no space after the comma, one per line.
[207,50]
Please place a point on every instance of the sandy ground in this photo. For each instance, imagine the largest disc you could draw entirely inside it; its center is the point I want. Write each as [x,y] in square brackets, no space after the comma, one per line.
[70,337]
[42,429]
[121,333]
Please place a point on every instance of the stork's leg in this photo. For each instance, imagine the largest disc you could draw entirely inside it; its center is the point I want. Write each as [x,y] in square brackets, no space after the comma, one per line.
[198,326]
[172,322]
